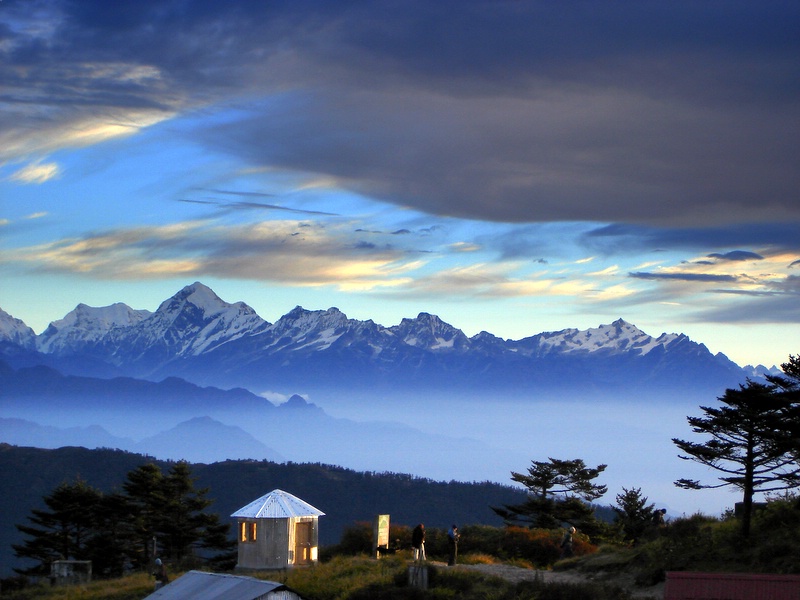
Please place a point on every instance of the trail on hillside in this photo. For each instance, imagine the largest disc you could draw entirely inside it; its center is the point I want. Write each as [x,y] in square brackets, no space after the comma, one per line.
[514,574]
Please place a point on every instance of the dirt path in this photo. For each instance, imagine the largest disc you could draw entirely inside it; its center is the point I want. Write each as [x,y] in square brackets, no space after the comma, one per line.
[517,574]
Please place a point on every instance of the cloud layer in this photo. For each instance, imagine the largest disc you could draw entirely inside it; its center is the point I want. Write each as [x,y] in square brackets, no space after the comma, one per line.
[667,114]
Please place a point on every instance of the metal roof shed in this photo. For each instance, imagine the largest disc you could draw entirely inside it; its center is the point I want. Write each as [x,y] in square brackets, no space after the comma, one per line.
[198,585]
[277,531]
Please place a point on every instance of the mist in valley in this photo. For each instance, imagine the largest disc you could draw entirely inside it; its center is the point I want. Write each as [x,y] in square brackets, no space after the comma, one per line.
[438,437]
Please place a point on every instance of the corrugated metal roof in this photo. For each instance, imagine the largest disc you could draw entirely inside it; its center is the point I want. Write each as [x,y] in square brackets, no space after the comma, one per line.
[198,585]
[277,505]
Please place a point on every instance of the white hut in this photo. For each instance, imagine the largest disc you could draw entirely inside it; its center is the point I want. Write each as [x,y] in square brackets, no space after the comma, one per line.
[277,531]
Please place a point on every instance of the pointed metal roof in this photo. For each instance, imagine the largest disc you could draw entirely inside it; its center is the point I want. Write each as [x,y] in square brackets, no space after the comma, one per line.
[277,505]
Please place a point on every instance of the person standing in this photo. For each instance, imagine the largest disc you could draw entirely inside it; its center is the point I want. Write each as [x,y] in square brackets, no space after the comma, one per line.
[566,543]
[160,574]
[658,518]
[418,542]
[452,542]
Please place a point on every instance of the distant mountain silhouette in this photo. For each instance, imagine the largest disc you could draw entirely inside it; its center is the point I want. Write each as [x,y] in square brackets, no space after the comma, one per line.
[204,440]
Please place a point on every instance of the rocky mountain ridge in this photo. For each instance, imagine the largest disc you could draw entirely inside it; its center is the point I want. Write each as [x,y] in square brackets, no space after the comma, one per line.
[198,336]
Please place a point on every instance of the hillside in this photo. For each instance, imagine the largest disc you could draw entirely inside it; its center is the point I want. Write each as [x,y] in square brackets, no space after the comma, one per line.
[346,496]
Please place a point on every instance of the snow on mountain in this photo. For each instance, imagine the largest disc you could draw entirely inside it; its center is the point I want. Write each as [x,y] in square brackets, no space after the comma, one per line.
[199,337]
[759,371]
[306,329]
[431,333]
[217,322]
[193,321]
[620,336]
[86,325]
[16,332]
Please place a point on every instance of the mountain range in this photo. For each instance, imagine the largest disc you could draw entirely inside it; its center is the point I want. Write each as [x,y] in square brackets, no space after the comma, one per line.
[198,337]
[204,380]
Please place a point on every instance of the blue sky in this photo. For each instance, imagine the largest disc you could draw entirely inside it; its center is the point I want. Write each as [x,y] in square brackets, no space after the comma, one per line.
[514,167]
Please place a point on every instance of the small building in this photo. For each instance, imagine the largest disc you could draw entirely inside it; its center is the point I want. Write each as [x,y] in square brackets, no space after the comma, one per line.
[198,585]
[64,572]
[277,531]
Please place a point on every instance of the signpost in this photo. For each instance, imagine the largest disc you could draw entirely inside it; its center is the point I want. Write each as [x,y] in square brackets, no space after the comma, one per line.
[380,535]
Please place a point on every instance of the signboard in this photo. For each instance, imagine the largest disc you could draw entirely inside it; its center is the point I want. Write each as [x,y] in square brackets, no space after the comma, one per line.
[380,534]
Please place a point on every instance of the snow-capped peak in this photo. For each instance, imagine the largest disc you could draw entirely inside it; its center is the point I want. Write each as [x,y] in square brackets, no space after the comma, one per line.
[318,327]
[618,336]
[198,295]
[429,332]
[198,320]
[15,331]
[87,324]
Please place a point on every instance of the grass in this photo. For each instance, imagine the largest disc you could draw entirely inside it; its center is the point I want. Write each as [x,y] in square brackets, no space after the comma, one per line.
[132,587]
[352,578]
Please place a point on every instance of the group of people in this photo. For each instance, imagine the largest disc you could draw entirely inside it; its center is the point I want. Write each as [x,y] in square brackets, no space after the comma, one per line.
[418,543]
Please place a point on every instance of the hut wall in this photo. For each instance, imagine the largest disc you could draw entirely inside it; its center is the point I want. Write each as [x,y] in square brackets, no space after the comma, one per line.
[270,548]
[303,540]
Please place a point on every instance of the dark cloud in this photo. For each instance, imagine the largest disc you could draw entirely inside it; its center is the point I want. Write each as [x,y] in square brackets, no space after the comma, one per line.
[736,256]
[701,277]
[678,113]
[621,238]
[779,304]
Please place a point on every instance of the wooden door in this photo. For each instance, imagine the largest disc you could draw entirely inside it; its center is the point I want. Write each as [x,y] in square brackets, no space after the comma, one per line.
[302,542]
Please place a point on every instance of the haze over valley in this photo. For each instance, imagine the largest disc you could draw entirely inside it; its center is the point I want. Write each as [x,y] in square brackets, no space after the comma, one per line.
[325,388]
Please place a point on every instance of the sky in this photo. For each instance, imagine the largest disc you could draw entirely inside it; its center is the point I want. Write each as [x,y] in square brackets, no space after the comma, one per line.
[510,166]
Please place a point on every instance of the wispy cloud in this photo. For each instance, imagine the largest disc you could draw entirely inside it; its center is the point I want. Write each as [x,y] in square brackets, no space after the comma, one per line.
[36,173]
[279,251]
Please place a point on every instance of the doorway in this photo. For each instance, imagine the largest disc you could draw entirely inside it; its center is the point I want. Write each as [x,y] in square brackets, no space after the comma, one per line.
[303,543]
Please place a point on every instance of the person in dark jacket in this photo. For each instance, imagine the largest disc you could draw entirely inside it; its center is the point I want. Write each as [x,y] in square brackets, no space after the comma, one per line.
[418,542]
[452,542]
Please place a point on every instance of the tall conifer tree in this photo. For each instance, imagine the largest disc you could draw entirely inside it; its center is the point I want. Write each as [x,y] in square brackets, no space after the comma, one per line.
[753,443]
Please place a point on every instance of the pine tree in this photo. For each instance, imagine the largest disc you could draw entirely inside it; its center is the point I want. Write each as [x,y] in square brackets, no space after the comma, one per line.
[186,525]
[560,491]
[633,514]
[753,443]
[84,524]
[145,505]
[64,531]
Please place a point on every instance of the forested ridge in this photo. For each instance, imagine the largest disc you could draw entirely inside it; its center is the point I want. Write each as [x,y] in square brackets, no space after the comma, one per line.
[346,496]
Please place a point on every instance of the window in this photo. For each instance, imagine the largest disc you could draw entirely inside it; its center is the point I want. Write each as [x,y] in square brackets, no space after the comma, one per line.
[247,531]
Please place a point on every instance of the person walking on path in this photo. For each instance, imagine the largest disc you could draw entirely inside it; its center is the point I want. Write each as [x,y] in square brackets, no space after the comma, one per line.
[452,542]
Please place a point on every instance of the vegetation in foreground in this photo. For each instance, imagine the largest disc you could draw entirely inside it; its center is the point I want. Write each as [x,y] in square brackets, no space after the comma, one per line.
[696,543]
